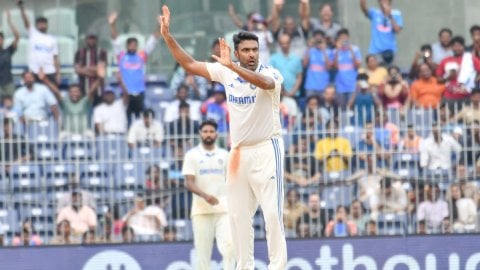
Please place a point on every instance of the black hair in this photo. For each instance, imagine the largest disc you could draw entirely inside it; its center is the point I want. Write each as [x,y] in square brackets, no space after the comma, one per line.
[241,36]
[332,121]
[131,40]
[183,105]
[1,35]
[475,90]
[297,194]
[445,30]
[182,86]
[393,67]
[369,56]
[313,97]
[208,122]
[343,31]
[318,32]
[169,229]
[126,229]
[425,47]
[410,126]
[362,77]
[387,182]
[73,85]
[25,72]
[7,121]
[149,113]
[474,28]
[41,20]
[458,39]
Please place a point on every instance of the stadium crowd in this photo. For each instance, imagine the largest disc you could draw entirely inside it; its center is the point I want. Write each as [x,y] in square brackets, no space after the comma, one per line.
[373,148]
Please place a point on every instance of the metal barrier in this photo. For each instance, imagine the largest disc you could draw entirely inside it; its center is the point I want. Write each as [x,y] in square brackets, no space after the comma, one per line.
[371,173]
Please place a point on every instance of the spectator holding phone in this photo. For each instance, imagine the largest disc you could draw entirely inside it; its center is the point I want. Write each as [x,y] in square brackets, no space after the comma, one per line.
[394,93]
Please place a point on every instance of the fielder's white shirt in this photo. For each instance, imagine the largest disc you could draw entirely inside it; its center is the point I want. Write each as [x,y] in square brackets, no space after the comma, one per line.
[42,49]
[209,169]
[254,113]
[113,117]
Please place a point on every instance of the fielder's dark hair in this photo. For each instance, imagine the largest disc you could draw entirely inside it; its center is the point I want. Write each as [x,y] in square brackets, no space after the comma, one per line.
[41,20]
[131,40]
[149,113]
[445,30]
[474,28]
[457,39]
[243,35]
[209,122]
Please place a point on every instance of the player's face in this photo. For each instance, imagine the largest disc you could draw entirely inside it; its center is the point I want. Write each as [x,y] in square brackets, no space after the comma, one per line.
[208,135]
[247,54]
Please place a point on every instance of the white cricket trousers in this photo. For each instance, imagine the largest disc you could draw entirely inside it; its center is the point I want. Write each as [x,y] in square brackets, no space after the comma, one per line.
[205,228]
[255,176]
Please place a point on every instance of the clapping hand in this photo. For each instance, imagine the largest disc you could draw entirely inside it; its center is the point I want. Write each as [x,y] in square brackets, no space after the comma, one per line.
[112,18]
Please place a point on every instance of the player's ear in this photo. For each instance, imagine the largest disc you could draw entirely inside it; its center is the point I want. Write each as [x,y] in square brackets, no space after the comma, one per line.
[235,52]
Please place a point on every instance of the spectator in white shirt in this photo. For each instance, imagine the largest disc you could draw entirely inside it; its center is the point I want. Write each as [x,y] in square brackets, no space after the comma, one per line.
[436,150]
[82,218]
[146,221]
[172,112]
[433,210]
[146,131]
[43,48]
[442,48]
[110,117]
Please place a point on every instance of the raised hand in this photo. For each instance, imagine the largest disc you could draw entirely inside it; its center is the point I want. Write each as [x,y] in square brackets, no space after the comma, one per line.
[224,58]
[165,20]
[112,18]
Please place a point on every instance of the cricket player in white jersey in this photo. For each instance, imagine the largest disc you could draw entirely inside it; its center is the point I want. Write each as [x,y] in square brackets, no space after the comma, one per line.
[255,169]
[204,169]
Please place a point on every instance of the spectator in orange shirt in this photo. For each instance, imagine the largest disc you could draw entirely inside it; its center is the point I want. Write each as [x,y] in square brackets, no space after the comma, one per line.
[411,143]
[426,92]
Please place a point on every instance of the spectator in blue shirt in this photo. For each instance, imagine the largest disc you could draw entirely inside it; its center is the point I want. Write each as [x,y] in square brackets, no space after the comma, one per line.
[318,61]
[370,146]
[347,59]
[289,65]
[215,108]
[363,101]
[386,23]
[132,64]
[34,101]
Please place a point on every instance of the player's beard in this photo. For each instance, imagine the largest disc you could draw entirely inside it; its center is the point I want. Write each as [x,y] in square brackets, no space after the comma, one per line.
[208,141]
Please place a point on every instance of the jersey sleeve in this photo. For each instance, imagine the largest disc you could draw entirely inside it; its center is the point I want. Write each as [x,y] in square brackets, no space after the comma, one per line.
[188,164]
[117,46]
[216,72]
[371,13]
[397,16]
[275,75]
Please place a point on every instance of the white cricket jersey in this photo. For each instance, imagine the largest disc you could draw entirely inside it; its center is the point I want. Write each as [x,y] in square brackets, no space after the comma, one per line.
[254,113]
[209,169]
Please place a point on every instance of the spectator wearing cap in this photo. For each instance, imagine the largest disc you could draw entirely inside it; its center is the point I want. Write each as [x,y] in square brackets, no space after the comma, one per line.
[426,92]
[289,65]
[215,108]
[88,62]
[327,24]
[81,217]
[34,101]
[457,74]
[385,23]
[346,61]
[110,116]
[298,32]
[146,131]
[43,48]
[132,65]
[7,88]
[364,101]
[442,49]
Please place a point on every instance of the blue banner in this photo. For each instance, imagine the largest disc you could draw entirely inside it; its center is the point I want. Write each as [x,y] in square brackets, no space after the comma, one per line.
[453,252]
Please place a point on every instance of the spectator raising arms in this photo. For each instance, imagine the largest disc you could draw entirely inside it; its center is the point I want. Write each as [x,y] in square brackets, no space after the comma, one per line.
[394,93]
[110,116]
[88,63]
[132,64]
[386,23]
[6,53]
[327,24]
[43,48]
[317,61]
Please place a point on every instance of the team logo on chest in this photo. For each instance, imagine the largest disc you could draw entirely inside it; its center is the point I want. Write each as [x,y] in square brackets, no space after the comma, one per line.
[253,87]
